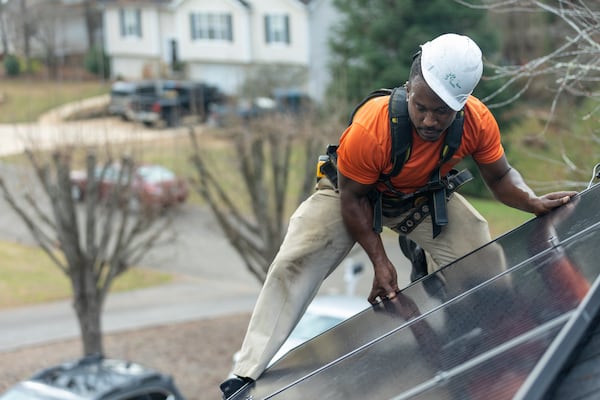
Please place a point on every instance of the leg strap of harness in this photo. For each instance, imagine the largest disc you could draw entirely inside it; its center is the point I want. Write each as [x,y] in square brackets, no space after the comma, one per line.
[376,198]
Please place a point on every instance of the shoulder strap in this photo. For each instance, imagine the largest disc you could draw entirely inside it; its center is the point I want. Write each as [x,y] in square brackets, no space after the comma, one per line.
[400,130]
[453,138]
[439,215]
[399,126]
[373,94]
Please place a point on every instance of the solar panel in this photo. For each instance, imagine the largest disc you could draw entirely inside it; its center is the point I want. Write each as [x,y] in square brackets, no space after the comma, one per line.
[490,332]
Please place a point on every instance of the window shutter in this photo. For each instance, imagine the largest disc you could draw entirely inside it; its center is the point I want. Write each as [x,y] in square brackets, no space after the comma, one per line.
[267,29]
[229,28]
[192,26]
[138,21]
[287,29]
[122,22]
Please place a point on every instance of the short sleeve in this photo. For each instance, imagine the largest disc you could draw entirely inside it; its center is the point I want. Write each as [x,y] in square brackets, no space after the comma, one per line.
[361,155]
[489,147]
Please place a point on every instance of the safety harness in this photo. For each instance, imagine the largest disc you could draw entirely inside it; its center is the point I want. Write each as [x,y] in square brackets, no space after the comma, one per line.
[428,200]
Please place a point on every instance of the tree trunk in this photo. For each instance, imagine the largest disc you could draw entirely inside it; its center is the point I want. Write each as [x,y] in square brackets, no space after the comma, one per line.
[4,51]
[26,37]
[89,315]
[91,22]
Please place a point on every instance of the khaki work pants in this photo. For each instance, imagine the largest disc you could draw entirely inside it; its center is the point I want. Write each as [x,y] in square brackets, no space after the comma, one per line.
[315,244]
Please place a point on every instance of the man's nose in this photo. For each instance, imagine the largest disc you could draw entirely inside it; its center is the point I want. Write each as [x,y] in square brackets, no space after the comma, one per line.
[429,119]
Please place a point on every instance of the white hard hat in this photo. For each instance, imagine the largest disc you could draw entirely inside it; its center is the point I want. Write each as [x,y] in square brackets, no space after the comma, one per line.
[452,66]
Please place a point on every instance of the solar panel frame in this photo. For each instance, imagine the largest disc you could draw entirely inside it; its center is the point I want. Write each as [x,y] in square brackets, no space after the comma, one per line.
[542,377]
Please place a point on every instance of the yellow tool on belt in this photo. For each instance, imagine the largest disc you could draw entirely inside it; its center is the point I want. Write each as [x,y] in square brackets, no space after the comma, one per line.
[322,160]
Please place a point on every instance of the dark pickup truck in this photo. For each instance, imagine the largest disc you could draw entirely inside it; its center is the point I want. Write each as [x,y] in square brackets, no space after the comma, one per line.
[174,101]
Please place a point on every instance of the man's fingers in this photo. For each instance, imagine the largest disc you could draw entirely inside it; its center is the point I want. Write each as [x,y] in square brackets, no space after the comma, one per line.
[563,196]
[371,298]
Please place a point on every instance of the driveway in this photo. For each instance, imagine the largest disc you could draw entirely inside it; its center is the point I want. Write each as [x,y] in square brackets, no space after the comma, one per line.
[211,277]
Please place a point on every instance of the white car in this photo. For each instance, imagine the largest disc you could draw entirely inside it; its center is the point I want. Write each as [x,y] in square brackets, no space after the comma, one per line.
[322,314]
[325,311]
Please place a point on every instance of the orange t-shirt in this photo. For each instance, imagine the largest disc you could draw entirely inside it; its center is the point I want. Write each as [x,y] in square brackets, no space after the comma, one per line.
[364,152]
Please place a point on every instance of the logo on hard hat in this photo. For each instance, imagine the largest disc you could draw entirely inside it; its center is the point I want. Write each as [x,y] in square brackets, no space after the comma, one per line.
[451,80]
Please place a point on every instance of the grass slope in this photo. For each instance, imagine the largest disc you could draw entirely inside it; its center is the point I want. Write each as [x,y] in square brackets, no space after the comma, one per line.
[28,276]
[24,100]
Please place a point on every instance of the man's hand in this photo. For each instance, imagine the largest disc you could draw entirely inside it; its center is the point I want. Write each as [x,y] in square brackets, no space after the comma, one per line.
[357,213]
[385,282]
[550,201]
[508,186]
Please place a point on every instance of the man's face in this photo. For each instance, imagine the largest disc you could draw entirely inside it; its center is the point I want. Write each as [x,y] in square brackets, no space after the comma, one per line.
[428,113]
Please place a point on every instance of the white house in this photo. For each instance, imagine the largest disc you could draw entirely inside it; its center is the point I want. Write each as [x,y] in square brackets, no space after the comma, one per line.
[218,40]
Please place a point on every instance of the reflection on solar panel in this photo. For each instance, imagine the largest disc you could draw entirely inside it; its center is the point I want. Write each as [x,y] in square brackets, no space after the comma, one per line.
[497,330]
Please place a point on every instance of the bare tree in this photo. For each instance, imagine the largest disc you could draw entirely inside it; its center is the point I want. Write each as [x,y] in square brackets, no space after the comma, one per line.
[3,29]
[253,213]
[48,22]
[569,68]
[27,32]
[92,246]
[573,62]
[263,79]
[93,21]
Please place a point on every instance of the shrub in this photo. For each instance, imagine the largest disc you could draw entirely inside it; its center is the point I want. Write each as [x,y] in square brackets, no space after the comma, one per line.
[97,62]
[11,65]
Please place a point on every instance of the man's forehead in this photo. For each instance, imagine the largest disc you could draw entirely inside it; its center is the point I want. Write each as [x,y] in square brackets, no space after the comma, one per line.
[419,91]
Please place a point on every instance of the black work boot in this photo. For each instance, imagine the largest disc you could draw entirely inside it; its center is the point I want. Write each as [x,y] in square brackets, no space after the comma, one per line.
[232,385]
[434,285]
[416,255]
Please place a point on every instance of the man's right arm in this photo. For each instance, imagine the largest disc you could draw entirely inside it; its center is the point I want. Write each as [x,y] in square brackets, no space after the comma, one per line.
[357,213]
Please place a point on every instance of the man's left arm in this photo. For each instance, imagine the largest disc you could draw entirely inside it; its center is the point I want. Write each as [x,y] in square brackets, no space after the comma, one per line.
[508,186]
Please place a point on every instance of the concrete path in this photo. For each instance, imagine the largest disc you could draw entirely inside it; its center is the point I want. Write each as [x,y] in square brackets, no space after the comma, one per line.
[50,130]
[186,299]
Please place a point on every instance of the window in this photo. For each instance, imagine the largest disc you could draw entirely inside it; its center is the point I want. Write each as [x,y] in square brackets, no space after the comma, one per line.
[131,22]
[211,26]
[277,28]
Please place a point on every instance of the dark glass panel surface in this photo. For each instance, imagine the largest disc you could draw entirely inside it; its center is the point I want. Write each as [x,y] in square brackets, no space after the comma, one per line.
[501,307]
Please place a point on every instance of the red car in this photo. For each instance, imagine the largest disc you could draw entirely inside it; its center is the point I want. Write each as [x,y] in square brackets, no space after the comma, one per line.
[152,185]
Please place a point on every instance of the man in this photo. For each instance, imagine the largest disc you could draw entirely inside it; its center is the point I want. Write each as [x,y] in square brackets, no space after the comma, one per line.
[325,227]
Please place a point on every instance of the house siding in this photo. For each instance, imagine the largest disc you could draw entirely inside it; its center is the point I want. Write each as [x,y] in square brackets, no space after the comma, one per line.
[323,16]
[220,62]
[211,51]
[296,52]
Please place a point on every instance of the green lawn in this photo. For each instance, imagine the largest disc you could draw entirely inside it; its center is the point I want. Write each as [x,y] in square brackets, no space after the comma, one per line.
[27,276]
[23,100]
[501,218]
